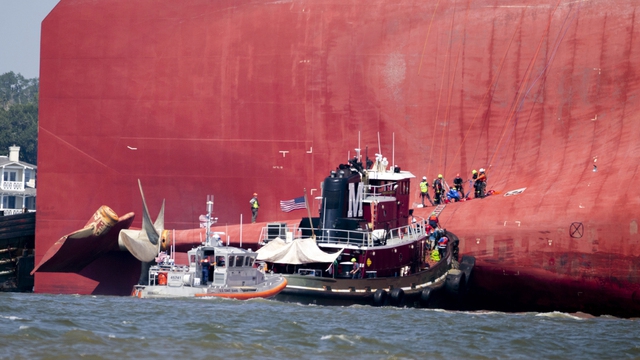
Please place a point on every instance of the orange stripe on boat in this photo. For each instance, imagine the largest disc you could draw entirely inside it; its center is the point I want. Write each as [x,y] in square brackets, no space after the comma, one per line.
[247,295]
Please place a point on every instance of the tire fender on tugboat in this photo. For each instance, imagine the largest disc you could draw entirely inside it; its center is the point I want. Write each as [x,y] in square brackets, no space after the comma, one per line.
[455,283]
[466,266]
[397,295]
[379,297]
[425,296]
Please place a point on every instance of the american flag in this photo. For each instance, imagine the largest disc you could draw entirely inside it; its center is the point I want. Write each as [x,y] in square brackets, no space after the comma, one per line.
[293,204]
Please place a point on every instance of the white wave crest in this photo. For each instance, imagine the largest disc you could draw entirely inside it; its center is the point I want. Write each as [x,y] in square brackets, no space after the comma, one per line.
[341,337]
[561,315]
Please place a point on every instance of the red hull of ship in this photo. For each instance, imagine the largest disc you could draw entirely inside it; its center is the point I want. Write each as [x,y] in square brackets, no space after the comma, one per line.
[235,97]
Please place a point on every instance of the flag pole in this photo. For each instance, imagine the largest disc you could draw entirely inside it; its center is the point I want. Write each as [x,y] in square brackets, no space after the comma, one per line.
[306,205]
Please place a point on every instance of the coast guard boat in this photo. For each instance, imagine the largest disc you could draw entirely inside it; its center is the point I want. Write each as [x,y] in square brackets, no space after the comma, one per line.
[213,270]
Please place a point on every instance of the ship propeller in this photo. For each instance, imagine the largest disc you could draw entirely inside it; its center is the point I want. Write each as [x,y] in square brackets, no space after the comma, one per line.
[144,244]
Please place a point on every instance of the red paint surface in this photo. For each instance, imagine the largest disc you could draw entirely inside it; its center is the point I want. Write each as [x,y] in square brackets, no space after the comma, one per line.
[211,92]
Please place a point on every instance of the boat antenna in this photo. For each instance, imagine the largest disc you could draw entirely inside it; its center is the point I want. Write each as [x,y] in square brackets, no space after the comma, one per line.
[209,211]
[393,150]
[306,205]
[379,147]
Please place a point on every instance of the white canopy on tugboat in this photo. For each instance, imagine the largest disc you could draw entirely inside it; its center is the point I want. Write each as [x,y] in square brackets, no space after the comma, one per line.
[300,251]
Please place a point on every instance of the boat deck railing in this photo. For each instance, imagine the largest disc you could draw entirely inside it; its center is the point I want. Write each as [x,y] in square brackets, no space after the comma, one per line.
[165,268]
[407,233]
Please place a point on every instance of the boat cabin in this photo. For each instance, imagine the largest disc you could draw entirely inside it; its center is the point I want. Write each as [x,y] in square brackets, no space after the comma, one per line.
[357,202]
[225,266]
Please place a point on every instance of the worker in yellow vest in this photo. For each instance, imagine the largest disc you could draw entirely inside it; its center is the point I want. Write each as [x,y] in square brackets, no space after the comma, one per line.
[424,191]
[435,255]
[254,207]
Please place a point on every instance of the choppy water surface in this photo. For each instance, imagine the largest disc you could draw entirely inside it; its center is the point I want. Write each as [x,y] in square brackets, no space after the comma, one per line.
[67,326]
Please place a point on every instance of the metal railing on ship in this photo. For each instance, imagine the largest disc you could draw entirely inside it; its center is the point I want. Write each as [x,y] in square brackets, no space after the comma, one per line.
[379,191]
[288,233]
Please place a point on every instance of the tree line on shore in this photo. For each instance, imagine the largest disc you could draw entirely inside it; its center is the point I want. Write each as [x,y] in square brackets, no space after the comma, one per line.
[19,115]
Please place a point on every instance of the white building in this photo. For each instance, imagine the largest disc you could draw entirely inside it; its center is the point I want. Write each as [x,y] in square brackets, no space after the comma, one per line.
[18,183]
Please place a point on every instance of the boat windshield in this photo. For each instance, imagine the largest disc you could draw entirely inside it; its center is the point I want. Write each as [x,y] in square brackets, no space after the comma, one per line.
[239,261]
[248,261]
[220,262]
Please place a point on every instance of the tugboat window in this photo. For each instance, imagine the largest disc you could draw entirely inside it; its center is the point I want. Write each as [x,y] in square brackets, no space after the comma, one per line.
[232,261]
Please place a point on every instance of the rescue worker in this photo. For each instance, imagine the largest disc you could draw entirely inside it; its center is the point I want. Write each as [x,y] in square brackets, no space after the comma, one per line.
[435,255]
[482,184]
[433,221]
[355,272]
[432,237]
[442,246]
[457,184]
[205,270]
[438,190]
[453,195]
[254,207]
[476,184]
[424,190]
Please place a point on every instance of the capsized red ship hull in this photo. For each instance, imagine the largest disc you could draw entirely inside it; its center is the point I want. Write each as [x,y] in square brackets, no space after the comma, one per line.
[235,97]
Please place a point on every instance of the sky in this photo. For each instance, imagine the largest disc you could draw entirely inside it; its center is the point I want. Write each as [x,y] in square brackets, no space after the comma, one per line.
[20,22]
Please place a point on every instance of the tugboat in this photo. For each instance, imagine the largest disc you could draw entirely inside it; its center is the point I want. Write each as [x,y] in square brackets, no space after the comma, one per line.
[365,247]
[213,271]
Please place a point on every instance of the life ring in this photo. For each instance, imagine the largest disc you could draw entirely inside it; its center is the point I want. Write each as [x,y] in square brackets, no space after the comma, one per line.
[397,295]
[455,284]
[425,296]
[379,297]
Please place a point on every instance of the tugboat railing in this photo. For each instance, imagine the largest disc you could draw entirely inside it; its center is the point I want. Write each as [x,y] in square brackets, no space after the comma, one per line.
[377,237]
[375,191]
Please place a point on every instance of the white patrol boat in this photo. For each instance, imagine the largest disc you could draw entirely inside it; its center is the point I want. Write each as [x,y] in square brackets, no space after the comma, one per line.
[213,271]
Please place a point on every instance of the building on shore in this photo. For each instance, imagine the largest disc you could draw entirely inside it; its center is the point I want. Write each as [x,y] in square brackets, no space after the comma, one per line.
[17,185]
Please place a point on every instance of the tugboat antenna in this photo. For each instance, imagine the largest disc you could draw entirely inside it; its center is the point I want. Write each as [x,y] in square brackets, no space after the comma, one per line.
[306,204]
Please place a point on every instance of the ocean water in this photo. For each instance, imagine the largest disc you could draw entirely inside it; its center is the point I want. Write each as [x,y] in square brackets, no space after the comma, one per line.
[39,326]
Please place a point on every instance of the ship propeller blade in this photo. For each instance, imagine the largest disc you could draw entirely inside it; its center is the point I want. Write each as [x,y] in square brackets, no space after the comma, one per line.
[138,244]
[153,234]
[144,244]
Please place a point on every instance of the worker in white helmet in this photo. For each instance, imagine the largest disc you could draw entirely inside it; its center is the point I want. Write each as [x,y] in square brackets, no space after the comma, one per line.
[424,191]
[480,184]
